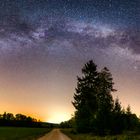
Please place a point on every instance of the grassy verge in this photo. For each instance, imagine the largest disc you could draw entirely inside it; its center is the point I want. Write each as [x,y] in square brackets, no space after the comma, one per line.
[18,133]
[92,137]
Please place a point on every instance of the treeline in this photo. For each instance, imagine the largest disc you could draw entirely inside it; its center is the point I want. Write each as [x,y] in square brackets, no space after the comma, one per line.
[96,110]
[20,120]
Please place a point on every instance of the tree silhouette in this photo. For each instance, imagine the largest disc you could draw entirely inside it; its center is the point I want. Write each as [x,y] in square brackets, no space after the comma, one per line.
[117,115]
[85,100]
[104,100]
[93,99]
[95,108]
[8,119]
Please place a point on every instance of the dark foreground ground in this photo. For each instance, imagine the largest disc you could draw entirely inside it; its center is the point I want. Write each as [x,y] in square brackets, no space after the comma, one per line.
[18,133]
[125,136]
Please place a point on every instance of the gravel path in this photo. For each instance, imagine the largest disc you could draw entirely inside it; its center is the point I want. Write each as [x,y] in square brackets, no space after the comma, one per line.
[55,134]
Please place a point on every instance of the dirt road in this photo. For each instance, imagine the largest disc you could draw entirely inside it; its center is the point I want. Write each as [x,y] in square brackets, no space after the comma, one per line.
[55,134]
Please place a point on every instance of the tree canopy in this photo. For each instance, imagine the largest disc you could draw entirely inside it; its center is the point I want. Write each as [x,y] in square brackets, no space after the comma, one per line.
[95,107]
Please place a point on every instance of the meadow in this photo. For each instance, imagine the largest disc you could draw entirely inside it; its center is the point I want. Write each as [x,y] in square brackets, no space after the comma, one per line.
[21,133]
[125,136]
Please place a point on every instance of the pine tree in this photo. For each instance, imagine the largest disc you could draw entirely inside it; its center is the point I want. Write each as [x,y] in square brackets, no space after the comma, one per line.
[105,101]
[117,106]
[85,100]
[93,100]
[118,113]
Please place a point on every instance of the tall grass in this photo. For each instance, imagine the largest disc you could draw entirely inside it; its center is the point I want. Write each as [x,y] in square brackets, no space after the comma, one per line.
[18,133]
[93,137]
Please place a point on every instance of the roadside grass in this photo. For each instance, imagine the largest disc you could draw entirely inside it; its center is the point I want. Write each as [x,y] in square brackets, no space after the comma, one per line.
[21,133]
[73,136]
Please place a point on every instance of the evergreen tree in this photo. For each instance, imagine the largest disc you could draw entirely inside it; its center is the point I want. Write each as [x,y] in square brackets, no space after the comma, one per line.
[104,100]
[131,119]
[128,110]
[117,118]
[117,106]
[93,100]
[85,100]
[96,111]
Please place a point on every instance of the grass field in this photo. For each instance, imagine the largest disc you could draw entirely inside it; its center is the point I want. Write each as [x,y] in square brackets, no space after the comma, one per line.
[18,133]
[92,137]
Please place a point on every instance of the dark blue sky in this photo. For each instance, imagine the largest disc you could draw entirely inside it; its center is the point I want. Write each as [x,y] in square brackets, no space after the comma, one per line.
[117,12]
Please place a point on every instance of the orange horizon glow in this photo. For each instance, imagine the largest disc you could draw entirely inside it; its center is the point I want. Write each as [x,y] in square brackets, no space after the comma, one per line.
[51,107]
[56,117]
[58,114]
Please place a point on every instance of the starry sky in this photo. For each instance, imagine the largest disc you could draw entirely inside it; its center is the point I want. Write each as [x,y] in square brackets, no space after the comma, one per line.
[45,43]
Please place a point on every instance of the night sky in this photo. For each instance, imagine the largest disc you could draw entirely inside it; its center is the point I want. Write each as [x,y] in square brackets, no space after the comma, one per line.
[45,43]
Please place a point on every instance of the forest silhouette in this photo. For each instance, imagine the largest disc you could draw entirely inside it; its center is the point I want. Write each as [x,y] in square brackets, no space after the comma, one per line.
[20,120]
[96,110]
